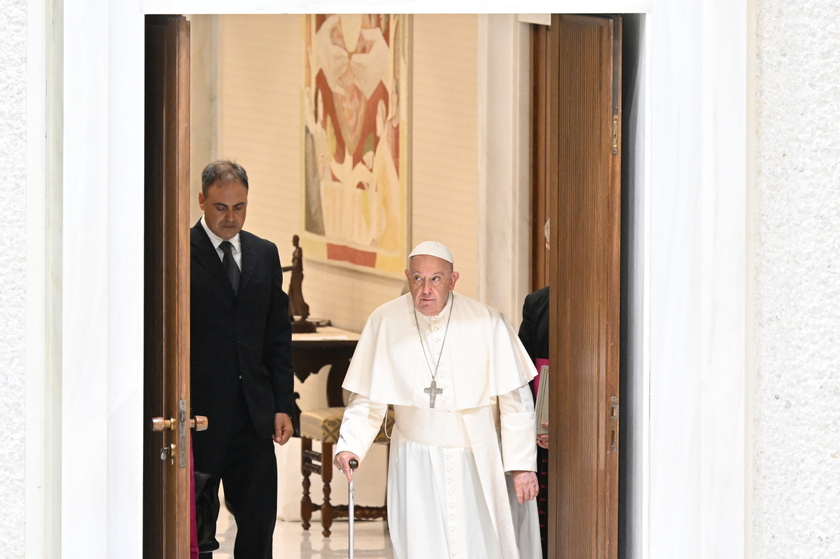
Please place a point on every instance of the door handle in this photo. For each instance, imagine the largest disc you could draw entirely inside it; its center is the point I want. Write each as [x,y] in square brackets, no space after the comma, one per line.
[160,424]
[199,423]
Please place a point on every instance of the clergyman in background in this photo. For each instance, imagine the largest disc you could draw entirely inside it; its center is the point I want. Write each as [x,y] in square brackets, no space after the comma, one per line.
[533,332]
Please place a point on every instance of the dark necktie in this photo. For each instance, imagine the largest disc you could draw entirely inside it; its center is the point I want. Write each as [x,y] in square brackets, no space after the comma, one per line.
[230,265]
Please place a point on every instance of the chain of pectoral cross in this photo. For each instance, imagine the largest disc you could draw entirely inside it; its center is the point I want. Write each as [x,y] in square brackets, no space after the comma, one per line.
[433,390]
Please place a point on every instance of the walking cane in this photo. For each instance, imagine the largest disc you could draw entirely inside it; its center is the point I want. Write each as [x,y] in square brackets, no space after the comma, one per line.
[350,512]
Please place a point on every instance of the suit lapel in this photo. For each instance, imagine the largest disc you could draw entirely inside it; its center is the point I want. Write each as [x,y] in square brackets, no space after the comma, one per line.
[206,255]
[249,260]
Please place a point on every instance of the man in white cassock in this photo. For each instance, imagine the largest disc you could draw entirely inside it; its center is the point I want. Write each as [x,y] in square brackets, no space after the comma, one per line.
[461,479]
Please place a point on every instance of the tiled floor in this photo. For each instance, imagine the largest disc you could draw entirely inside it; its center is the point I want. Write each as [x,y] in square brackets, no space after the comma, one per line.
[293,542]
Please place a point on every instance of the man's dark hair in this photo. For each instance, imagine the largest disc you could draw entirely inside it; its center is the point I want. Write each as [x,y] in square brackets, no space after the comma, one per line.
[223,171]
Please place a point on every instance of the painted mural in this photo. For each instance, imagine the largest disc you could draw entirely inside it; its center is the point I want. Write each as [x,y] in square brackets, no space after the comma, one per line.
[357,107]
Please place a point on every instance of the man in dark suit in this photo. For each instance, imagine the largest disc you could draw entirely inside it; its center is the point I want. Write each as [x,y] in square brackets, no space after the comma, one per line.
[240,365]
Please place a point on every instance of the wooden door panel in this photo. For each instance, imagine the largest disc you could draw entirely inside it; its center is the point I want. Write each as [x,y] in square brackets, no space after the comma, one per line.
[584,272]
[166,473]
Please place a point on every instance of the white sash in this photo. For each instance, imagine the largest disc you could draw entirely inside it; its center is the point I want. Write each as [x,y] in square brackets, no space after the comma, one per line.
[431,428]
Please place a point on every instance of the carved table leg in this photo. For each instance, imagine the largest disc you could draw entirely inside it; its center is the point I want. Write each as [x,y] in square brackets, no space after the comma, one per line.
[305,501]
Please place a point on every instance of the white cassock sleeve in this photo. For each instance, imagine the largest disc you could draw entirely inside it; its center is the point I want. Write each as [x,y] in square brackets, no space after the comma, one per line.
[519,430]
[362,421]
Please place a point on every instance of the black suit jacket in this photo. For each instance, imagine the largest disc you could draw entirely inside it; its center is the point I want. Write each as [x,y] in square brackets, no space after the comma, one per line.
[533,332]
[247,335]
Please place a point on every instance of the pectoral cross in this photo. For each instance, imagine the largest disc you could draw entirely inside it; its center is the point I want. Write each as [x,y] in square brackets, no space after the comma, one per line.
[433,391]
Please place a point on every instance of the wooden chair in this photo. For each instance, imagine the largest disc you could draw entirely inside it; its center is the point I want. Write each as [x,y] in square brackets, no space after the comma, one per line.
[323,425]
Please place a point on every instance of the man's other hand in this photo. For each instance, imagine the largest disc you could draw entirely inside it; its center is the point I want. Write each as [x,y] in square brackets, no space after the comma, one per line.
[342,462]
[526,485]
[282,428]
[542,440]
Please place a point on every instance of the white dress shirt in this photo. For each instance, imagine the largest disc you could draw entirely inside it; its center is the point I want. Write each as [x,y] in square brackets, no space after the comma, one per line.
[216,240]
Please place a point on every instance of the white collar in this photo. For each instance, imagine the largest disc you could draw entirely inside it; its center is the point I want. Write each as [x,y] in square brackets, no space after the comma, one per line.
[217,240]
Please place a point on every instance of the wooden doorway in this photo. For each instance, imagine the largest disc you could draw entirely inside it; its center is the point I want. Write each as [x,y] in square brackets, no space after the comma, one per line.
[166,466]
[577,158]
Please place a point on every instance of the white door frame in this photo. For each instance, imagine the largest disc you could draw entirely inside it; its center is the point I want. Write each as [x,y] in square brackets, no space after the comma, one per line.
[689,332]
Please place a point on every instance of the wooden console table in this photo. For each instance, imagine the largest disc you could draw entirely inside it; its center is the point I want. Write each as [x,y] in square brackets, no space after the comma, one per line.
[328,346]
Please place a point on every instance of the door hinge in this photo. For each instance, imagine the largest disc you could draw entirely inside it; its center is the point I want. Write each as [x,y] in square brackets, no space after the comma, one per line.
[615,135]
[613,424]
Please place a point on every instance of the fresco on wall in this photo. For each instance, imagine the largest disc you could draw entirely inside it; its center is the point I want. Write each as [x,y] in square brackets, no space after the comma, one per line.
[356,106]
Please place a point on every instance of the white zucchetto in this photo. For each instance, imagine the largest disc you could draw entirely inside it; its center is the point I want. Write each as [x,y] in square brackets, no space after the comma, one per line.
[433,248]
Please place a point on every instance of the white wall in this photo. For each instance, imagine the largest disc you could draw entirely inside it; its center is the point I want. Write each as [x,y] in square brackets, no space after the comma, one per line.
[696,279]
[796,224]
[13,279]
[100,406]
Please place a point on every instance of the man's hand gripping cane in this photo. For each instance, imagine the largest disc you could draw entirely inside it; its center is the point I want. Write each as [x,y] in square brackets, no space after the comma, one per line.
[342,462]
